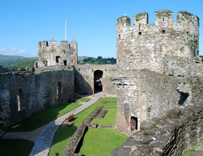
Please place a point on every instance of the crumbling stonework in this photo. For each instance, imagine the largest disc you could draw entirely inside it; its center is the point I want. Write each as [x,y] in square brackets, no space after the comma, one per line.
[85,78]
[52,55]
[157,64]
[173,134]
[143,45]
[25,93]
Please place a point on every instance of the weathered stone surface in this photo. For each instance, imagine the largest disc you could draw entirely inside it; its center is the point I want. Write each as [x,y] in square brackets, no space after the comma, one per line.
[174,137]
[120,151]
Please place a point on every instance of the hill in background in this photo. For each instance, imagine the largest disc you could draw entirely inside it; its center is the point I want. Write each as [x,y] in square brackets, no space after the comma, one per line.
[22,62]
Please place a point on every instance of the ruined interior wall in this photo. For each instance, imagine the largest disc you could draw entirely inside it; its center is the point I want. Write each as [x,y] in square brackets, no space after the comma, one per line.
[39,93]
[146,94]
[84,79]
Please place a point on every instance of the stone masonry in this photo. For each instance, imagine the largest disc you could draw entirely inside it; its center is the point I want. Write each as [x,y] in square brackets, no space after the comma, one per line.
[49,55]
[144,45]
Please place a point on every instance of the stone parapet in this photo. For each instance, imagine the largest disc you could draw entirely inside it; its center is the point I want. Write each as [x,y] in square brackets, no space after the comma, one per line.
[173,134]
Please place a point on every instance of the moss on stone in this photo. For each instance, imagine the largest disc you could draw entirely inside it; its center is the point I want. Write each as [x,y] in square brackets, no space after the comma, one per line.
[139,16]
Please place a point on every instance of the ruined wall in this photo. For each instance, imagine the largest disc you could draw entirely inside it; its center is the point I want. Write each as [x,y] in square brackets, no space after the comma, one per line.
[144,94]
[84,79]
[173,134]
[143,45]
[25,93]
[51,54]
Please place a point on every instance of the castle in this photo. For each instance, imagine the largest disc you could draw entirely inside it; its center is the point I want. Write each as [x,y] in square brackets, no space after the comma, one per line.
[50,55]
[158,68]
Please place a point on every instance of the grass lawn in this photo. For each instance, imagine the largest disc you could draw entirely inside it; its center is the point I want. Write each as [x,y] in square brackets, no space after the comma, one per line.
[101,142]
[110,104]
[83,99]
[17,147]
[39,119]
[63,134]
[109,118]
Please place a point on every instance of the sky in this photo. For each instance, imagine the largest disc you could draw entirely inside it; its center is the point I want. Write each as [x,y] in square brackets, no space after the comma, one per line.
[23,23]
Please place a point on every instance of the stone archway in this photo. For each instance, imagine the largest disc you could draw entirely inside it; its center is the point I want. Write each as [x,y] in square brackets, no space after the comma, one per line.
[98,86]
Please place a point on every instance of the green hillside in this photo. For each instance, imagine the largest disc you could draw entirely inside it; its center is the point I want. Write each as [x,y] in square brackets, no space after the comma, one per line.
[16,61]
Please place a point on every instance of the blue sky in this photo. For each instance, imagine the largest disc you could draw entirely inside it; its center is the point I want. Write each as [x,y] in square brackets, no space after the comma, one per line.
[91,22]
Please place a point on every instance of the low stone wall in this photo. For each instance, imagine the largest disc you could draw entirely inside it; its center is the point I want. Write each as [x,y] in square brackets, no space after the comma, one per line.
[79,133]
[175,133]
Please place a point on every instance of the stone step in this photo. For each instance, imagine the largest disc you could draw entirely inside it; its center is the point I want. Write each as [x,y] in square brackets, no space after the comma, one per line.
[1,133]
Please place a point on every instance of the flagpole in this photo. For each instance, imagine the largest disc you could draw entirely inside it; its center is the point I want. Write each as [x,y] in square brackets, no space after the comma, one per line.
[65,29]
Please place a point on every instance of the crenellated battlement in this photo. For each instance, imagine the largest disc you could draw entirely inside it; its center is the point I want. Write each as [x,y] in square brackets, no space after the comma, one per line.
[143,45]
[50,54]
[163,18]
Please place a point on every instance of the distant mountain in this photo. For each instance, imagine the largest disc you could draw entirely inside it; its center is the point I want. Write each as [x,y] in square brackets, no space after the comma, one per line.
[8,61]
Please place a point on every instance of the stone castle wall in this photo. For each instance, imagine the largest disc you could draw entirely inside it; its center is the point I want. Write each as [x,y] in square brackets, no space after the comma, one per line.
[173,134]
[25,93]
[144,45]
[84,79]
[52,55]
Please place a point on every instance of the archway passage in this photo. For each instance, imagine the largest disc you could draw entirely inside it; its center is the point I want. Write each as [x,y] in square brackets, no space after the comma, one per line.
[98,87]
[134,123]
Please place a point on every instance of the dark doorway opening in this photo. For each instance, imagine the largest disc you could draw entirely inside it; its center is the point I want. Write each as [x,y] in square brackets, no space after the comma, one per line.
[134,123]
[57,59]
[59,90]
[98,87]
[183,98]
[65,62]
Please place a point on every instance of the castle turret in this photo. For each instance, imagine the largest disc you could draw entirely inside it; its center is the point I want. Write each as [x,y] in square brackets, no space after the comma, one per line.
[164,19]
[139,21]
[49,55]
[189,22]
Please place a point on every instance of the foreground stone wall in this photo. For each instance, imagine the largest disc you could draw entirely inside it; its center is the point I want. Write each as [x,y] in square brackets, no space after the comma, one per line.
[25,93]
[84,79]
[173,134]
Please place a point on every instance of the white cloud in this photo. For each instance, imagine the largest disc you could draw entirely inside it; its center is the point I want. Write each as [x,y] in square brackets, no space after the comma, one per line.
[13,51]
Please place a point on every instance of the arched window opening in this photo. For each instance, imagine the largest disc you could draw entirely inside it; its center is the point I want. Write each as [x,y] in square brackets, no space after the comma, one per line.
[20,99]
[59,90]
[163,22]
[98,87]
[36,64]
[133,123]
[163,31]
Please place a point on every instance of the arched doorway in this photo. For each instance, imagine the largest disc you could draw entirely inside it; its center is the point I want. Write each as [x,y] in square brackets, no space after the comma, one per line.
[20,99]
[59,90]
[98,87]
[133,123]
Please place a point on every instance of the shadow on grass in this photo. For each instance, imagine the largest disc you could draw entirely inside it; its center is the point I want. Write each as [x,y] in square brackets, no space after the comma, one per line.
[39,119]
[17,147]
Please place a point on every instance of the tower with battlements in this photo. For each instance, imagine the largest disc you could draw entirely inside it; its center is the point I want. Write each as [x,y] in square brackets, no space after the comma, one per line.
[144,45]
[51,54]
